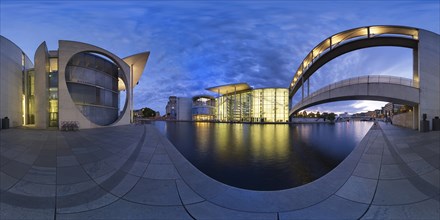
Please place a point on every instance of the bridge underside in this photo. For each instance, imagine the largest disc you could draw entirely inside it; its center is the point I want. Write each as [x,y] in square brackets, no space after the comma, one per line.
[399,94]
[366,91]
[426,68]
[352,46]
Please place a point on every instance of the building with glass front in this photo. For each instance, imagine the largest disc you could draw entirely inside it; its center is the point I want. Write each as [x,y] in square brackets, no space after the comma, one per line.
[241,103]
[203,108]
[78,83]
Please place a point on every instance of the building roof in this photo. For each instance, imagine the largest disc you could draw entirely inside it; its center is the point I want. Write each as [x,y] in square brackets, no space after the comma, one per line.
[194,98]
[230,88]
[137,62]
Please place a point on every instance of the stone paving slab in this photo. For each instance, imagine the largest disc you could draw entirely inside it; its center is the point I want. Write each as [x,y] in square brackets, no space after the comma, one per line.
[332,208]
[393,173]
[427,209]
[207,210]
[128,210]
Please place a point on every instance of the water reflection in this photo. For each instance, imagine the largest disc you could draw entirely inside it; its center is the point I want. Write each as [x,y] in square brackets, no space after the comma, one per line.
[264,157]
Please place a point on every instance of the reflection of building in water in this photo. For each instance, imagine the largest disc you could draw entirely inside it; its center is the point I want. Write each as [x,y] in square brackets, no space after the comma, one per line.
[203,108]
[239,102]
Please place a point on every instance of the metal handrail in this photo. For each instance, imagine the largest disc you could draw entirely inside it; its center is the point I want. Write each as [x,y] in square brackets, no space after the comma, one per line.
[363,80]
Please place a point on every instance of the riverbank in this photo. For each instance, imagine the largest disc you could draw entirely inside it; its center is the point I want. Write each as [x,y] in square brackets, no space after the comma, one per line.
[134,172]
[294,121]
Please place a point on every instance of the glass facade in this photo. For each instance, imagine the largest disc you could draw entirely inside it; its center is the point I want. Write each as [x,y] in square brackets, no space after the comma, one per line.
[259,105]
[28,93]
[53,92]
[30,97]
[92,81]
[203,108]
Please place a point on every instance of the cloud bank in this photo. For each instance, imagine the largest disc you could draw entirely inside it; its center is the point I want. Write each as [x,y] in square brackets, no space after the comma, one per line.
[195,45]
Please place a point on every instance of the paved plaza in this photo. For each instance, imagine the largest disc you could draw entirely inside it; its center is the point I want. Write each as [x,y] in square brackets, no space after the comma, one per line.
[134,172]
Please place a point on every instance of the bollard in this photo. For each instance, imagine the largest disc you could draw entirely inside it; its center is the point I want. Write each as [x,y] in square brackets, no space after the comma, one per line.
[436,123]
[5,123]
[424,124]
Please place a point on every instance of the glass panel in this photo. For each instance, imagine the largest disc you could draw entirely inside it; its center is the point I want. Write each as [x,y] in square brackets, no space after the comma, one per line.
[53,93]
[53,64]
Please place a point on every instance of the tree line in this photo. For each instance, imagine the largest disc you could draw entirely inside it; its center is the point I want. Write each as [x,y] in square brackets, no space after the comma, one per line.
[326,116]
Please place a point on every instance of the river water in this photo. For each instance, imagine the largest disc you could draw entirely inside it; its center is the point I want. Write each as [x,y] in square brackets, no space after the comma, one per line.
[264,156]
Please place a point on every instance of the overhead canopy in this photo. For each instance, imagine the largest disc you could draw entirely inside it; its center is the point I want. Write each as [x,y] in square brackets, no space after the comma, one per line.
[137,64]
[230,88]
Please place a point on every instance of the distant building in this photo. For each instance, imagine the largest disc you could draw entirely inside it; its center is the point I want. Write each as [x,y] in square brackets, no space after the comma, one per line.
[179,108]
[371,114]
[344,115]
[378,113]
[240,103]
[203,108]
[171,107]
[391,109]
[138,113]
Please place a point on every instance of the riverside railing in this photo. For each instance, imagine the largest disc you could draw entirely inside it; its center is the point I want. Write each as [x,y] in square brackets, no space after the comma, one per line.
[366,80]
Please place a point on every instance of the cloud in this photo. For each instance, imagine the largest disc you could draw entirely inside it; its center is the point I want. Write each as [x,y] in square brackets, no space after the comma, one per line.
[195,45]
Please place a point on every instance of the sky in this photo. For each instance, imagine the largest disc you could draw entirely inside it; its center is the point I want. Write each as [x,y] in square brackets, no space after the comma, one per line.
[199,44]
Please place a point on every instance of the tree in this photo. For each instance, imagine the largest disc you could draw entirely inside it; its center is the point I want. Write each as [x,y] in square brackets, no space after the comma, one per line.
[318,115]
[324,115]
[304,114]
[148,112]
[331,116]
[311,115]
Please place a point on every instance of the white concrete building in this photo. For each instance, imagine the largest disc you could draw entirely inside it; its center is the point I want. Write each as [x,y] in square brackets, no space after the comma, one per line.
[78,83]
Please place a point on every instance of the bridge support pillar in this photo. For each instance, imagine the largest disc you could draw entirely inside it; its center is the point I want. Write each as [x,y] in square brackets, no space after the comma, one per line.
[428,73]
[415,110]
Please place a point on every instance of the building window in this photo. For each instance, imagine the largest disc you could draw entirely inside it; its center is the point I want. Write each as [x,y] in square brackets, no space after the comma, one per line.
[53,92]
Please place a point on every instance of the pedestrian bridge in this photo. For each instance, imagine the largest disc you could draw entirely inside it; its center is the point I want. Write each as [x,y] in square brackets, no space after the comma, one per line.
[426,70]
[372,87]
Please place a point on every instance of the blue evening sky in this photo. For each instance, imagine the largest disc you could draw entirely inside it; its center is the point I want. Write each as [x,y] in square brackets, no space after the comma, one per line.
[200,44]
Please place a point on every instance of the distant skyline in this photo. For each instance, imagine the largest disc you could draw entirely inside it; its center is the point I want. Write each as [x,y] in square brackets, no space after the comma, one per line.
[195,45]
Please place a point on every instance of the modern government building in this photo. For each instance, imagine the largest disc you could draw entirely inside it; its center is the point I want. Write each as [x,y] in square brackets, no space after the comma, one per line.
[78,83]
[235,103]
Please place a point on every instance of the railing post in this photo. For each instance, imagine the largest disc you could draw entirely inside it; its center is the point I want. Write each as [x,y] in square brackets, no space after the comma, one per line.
[302,88]
[331,43]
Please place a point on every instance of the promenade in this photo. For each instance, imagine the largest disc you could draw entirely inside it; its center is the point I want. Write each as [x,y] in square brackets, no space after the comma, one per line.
[134,172]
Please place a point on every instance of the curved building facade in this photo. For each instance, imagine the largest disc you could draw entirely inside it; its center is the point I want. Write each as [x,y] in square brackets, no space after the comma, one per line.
[203,108]
[92,82]
[15,67]
[78,83]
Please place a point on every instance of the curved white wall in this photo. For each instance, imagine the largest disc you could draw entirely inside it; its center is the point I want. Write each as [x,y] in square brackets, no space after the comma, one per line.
[11,81]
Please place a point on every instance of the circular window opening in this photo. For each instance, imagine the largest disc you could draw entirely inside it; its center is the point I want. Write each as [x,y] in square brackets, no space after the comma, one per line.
[92,80]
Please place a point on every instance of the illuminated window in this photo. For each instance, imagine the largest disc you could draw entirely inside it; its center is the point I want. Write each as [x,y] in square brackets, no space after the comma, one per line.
[53,64]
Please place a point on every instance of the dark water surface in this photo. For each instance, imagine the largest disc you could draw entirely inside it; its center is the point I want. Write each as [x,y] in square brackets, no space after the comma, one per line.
[264,156]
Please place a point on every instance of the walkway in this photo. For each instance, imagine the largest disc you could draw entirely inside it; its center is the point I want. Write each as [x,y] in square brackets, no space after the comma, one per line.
[133,172]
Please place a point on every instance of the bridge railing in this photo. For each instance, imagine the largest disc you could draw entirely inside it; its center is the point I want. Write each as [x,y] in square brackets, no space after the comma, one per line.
[347,36]
[365,80]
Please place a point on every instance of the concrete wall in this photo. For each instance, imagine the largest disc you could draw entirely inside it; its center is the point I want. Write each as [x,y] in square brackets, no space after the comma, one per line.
[429,74]
[67,109]
[184,109]
[41,59]
[11,89]
[403,120]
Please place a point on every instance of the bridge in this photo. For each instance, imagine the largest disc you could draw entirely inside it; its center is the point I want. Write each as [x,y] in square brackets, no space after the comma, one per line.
[426,69]
[373,87]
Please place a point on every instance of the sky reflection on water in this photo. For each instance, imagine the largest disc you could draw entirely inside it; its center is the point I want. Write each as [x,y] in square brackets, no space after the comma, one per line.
[264,157]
